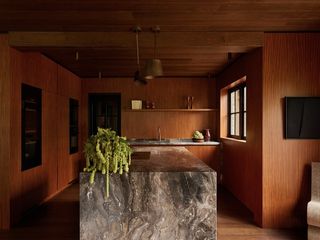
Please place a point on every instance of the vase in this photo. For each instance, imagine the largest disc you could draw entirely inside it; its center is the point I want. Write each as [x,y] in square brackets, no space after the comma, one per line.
[207,135]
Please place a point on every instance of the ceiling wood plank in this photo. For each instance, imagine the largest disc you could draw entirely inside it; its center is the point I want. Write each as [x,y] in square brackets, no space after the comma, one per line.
[127,40]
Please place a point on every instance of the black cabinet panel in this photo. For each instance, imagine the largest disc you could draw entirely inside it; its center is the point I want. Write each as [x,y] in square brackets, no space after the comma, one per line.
[31,126]
[74,125]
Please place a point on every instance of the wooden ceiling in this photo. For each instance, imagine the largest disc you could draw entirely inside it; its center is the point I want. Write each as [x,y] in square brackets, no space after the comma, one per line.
[195,38]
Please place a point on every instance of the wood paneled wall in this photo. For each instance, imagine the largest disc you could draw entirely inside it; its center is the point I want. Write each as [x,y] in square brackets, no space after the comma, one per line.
[69,86]
[276,170]
[242,161]
[166,93]
[29,188]
[291,68]
[5,106]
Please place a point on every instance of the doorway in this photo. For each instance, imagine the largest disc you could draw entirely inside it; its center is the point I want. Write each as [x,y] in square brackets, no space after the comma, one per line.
[104,112]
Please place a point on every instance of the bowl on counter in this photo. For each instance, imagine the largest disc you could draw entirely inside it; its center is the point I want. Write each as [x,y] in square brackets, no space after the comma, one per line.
[199,140]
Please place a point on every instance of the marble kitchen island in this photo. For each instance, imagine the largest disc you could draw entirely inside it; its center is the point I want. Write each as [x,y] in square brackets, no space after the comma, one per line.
[168,194]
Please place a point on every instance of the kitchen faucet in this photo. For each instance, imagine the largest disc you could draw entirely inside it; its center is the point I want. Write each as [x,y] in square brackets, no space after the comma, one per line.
[159,134]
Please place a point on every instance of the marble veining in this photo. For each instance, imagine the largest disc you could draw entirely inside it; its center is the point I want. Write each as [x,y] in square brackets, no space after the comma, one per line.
[151,205]
[168,159]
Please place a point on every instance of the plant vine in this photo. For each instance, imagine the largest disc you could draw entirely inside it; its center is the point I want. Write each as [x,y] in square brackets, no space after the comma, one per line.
[107,153]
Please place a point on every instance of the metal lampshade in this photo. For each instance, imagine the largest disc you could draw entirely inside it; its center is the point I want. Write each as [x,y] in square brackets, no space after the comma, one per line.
[153,68]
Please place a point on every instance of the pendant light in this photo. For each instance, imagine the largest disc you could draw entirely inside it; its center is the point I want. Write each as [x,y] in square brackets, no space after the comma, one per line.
[153,66]
[138,78]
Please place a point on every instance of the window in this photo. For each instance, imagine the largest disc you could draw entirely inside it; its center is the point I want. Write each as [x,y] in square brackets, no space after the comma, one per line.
[237,112]
[73,127]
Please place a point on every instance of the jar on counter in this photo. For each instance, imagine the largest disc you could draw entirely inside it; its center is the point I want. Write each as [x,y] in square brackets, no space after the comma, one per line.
[207,135]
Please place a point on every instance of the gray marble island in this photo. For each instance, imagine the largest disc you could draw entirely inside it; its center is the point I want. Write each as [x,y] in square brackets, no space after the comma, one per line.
[168,194]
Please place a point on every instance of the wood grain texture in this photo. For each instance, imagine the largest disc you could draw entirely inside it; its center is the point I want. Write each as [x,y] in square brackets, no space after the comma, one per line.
[69,86]
[172,124]
[64,163]
[124,39]
[177,15]
[166,93]
[5,85]
[195,39]
[196,36]
[16,71]
[121,62]
[113,53]
[39,71]
[41,182]
[291,68]
[30,187]
[177,61]
[50,141]
[242,161]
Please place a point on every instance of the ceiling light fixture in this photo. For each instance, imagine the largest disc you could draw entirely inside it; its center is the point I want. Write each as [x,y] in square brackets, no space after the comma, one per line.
[153,66]
[138,77]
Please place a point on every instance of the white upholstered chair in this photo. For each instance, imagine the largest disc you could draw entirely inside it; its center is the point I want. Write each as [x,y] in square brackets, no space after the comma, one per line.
[313,214]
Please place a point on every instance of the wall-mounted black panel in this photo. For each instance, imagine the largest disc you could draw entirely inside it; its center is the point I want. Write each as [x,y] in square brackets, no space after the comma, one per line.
[74,125]
[302,117]
[31,126]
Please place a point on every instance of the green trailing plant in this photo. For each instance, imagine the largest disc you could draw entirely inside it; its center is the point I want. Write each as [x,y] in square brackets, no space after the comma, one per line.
[107,153]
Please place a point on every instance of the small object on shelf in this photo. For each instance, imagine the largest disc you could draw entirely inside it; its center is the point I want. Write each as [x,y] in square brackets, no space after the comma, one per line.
[207,135]
[136,104]
[190,100]
[147,106]
[153,105]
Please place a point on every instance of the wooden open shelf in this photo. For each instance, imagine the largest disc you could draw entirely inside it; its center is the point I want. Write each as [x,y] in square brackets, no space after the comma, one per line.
[172,110]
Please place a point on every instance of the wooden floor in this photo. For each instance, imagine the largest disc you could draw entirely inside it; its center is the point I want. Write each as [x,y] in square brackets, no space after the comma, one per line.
[59,220]
[235,222]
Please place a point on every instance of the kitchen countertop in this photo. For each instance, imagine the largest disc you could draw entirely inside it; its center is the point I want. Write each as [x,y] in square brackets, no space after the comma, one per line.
[170,142]
[166,159]
[167,194]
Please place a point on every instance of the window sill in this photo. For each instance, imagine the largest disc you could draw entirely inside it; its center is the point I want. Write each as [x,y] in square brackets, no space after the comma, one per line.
[234,139]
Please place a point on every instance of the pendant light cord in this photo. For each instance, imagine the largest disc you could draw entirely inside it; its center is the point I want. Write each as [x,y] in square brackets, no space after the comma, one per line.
[137,49]
[155,30]
[155,44]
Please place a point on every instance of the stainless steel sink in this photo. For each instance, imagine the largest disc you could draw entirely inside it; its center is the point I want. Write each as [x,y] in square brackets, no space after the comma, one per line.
[151,140]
